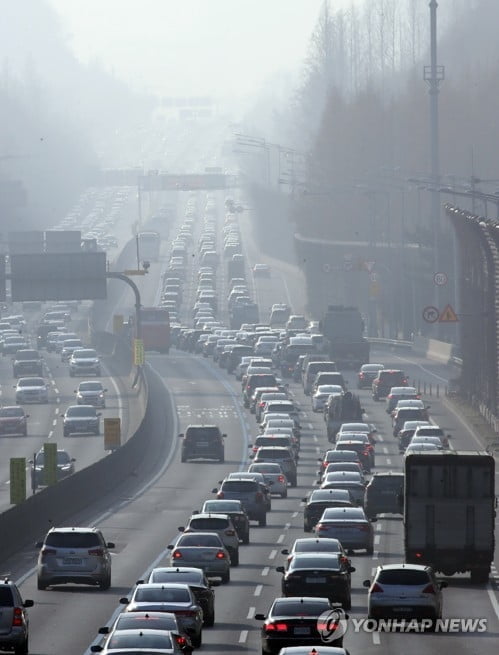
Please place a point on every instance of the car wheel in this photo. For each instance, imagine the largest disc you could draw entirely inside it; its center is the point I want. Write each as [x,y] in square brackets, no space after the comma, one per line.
[294,482]
[71,374]
[370,550]
[97,432]
[66,433]
[197,640]
[262,522]
[307,528]
[347,604]
[183,458]
[209,621]
[234,558]
[284,494]
[22,649]
[40,585]
[98,372]
[105,583]
[222,458]
[25,432]
[246,538]
[226,577]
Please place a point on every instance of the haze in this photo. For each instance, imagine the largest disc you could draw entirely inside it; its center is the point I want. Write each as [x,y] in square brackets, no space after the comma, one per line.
[220,47]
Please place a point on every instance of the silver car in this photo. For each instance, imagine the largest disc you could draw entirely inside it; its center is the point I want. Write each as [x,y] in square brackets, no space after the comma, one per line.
[91,392]
[32,390]
[79,555]
[202,550]
[176,598]
[349,525]
[405,591]
[219,523]
[273,476]
[145,641]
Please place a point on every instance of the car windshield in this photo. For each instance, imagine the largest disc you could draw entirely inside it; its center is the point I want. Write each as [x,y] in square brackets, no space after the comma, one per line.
[266,468]
[206,540]
[390,481]
[30,382]
[288,607]
[90,386]
[80,410]
[7,412]
[239,486]
[85,353]
[62,458]
[161,595]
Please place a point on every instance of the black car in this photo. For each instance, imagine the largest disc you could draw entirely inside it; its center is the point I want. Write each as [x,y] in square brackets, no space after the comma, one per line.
[27,362]
[321,499]
[237,513]
[384,494]
[249,493]
[294,622]
[200,586]
[367,374]
[202,442]
[318,574]
[385,380]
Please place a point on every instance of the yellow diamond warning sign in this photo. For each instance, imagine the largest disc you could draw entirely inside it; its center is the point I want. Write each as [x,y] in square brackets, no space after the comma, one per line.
[447,315]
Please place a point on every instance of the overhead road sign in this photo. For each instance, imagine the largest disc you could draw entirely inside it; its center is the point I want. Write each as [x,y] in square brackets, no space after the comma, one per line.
[431,314]
[448,315]
[187,182]
[61,276]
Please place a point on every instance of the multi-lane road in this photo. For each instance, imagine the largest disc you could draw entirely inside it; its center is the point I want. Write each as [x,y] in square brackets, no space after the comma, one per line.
[144,521]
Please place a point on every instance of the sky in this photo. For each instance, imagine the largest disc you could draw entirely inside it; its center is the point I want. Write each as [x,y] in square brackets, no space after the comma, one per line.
[193,47]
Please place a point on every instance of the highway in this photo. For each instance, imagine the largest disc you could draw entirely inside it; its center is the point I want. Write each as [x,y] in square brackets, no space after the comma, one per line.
[143,520]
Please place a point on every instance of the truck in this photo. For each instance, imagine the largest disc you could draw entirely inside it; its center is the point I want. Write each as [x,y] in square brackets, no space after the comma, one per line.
[343,328]
[345,408]
[449,511]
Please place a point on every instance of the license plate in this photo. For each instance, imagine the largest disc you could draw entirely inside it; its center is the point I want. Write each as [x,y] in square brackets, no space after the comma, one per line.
[72,561]
[202,444]
[301,631]
[315,580]
[402,609]
[207,555]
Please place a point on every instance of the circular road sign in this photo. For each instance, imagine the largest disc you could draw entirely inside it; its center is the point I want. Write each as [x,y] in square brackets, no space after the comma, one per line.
[440,279]
[431,314]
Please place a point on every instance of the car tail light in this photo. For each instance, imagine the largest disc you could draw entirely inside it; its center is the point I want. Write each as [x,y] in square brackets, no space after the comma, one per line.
[429,589]
[185,613]
[328,627]
[376,589]
[276,627]
[230,533]
[418,555]
[258,497]
[320,527]
[17,619]
[48,551]
[220,554]
[324,465]
[97,552]
[281,478]
[177,554]
[361,376]
[181,641]
[390,395]
[364,527]
[220,494]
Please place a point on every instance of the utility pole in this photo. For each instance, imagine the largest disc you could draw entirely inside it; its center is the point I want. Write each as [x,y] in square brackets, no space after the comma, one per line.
[434,74]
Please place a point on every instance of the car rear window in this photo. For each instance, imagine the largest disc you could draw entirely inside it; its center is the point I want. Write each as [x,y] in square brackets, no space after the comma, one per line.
[403,577]
[6,598]
[313,562]
[162,595]
[199,433]
[121,640]
[127,621]
[205,540]
[72,540]
[208,524]
[285,607]
[240,486]
[273,453]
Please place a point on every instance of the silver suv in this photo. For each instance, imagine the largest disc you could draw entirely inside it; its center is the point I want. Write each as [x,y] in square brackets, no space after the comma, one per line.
[78,555]
[14,623]
[222,525]
[84,361]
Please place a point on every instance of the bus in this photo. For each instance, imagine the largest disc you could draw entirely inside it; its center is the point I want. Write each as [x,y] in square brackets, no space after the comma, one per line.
[155,324]
[149,244]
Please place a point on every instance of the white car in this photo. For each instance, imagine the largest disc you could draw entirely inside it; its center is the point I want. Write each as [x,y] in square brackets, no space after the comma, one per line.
[84,361]
[320,397]
[91,392]
[32,390]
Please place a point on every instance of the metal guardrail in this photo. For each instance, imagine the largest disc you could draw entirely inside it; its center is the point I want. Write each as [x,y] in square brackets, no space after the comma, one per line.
[394,343]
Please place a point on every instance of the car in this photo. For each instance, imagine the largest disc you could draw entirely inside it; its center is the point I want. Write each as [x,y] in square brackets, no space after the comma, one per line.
[176,598]
[306,650]
[237,513]
[79,419]
[219,523]
[13,420]
[255,380]
[419,439]
[27,361]
[165,621]
[333,467]
[359,445]
[32,390]
[406,433]
[14,619]
[385,380]
[84,361]
[384,494]
[249,493]
[403,414]
[400,393]
[202,442]
[145,640]
[404,591]
[74,554]
[366,428]
[352,481]
[420,447]
[283,438]
[432,431]
[258,477]
[321,499]
[68,347]
[64,466]
[318,574]
[12,343]
[264,399]
[337,455]
[255,400]
[202,550]
[294,620]
[274,477]
[315,545]
[281,455]
[348,524]
[322,394]
[367,374]
[91,392]
[261,270]
[199,584]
